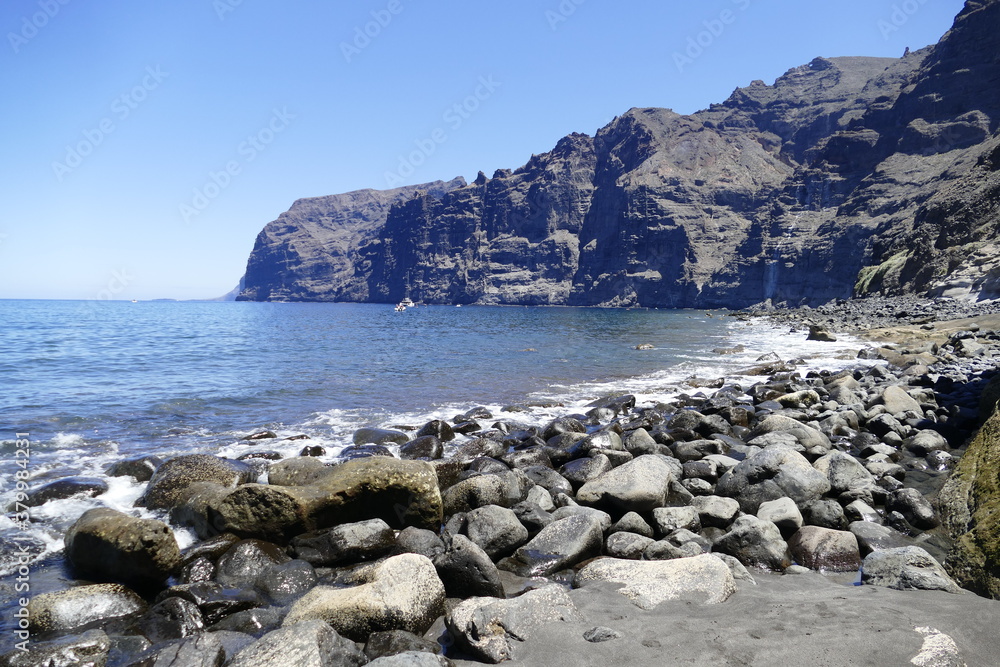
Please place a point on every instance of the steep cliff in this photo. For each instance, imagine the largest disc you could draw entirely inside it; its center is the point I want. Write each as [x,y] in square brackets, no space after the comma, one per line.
[847,175]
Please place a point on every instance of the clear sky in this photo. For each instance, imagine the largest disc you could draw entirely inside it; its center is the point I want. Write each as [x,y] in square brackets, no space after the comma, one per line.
[145,144]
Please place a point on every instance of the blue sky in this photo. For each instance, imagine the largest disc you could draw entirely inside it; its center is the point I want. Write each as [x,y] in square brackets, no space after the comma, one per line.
[145,144]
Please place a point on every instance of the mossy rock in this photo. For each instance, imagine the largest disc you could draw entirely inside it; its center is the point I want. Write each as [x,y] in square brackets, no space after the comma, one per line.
[970,507]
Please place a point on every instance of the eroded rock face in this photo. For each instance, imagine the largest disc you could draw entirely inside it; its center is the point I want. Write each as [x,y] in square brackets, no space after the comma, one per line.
[847,174]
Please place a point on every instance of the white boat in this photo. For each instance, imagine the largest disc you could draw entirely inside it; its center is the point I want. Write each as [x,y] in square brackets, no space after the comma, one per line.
[407,303]
[400,307]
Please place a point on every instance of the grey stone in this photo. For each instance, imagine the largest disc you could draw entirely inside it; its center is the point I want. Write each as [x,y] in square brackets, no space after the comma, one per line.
[89,649]
[304,644]
[825,550]
[203,650]
[379,436]
[637,486]
[844,472]
[906,568]
[632,522]
[284,582]
[755,543]
[704,579]
[716,511]
[782,512]
[668,519]
[773,473]
[246,561]
[346,543]
[393,642]
[170,482]
[490,629]
[626,545]
[875,537]
[914,507]
[496,530]
[600,634]
[466,570]
[559,545]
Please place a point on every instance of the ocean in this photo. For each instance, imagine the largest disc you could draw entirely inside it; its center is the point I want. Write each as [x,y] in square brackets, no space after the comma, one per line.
[95,382]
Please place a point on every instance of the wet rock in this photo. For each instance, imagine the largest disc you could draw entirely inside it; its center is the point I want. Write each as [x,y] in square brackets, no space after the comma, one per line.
[914,507]
[88,649]
[925,442]
[906,568]
[261,435]
[489,629]
[283,582]
[440,429]
[81,605]
[496,530]
[825,513]
[567,511]
[639,442]
[755,543]
[170,482]
[346,543]
[897,401]
[419,541]
[466,570]
[305,644]
[251,621]
[173,618]
[824,549]
[379,436]
[297,472]
[400,593]
[245,561]
[874,537]
[548,479]
[422,447]
[203,650]
[820,333]
[637,486]
[770,474]
[107,545]
[695,450]
[141,468]
[83,487]
[532,517]
[483,490]
[844,472]
[364,451]
[580,471]
[861,511]
[559,545]
[312,450]
[704,579]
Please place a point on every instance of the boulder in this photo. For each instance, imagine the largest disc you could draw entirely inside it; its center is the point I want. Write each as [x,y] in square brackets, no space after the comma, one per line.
[559,545]
[422,447]
[400,593]
[496,530]
[897,401]
[755,543]
[844,472]
[916,509]
[379,436]
[825,550]
[69,487]
[441,430]
[467,571]
[773,473]
[107,545]
[783,513]
[505,489]
[715,511]
[346,543]
[632,523]
[89,648]
[141,468]
[906,568]
[875,537]
[298,471]
[168,485]
[925,442]
[243,563]
[305,644]
[202,650]
[283,582]
[82,605]
[171,618]
[626,545]
[640,485]
[704,579]
[489,629]
[668,519]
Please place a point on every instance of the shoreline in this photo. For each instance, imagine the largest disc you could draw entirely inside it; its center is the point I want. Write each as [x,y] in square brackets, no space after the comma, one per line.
[706,448]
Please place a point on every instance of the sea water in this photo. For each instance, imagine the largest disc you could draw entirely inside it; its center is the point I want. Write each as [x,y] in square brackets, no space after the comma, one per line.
[94,382]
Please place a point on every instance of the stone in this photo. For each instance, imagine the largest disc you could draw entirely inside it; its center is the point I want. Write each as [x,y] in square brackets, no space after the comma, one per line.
[639,442]
[716,511]
[496,530]
[90,648]
[422,447]
[820,333]
[305,644]
[755,543]
[826,513]
[632,522]
[914,507]
[626,545]
[298,471]
[906,568]
[875,537]
[439,429]
[81,605]
[925,442]
[202,650]
[637,486]
[861,511]
[284,582]
[581,470]
[394,642]
[600,633]
[140,468]
[242,564]
[400,593]
[107,545]
[736,568]
[251,621]
[773,473]
[379,436]
[489,629]
[844,472]
[825,550]
[346,543]
[559,545]
[548,479]
[504,490]
[419,541]
[83,487]
[703,579]
[696,450]
[168,485]
[782,512]
[897,401]
[668,519]
[412,659]
[467,571]
[172,618]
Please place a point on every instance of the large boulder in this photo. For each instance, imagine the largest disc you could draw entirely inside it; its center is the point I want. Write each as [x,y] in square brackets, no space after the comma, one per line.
[169,484]
[107,545]
[90,648]
[906,568]
[400,593]
[466,570]
[772,473]
[755,543]
[844,472]
[705,579]
[304,644]
[640,485]
[825,550]
[489,629]
[559,545]
[969,506]
[82,605]
[82,487]
[346,543]
[496,530]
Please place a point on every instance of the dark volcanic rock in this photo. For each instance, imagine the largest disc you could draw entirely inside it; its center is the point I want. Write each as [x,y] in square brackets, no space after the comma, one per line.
[171,480]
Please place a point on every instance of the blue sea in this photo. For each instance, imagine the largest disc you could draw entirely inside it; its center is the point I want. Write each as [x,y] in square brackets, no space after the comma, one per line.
[94,382]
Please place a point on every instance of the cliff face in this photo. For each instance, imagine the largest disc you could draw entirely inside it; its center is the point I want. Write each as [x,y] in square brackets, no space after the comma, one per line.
[848,175]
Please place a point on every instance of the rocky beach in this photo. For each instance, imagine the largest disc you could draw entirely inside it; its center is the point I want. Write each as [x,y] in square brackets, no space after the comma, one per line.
[802,518]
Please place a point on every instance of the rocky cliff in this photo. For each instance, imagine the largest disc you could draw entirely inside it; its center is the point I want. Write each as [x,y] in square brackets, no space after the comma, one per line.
[846,176]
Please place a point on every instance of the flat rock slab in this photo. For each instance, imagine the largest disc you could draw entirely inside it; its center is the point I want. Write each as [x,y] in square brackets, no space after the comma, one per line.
[785,620]
[702,578]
